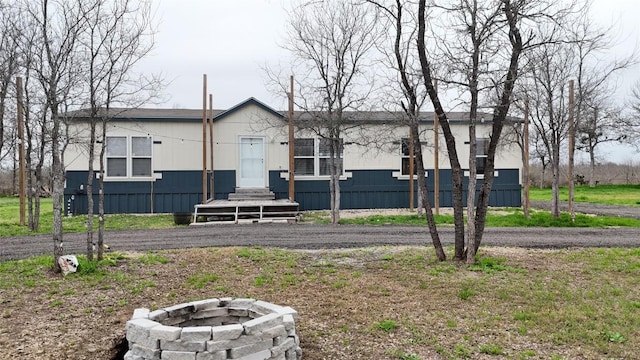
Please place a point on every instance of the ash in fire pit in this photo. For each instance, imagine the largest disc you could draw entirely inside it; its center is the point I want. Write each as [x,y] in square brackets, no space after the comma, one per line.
[214,329]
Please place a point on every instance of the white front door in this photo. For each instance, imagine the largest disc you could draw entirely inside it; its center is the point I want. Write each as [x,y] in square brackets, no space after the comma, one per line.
[252,162]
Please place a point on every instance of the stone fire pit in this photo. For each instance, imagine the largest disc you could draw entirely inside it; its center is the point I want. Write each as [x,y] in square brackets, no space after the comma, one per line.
[214,329]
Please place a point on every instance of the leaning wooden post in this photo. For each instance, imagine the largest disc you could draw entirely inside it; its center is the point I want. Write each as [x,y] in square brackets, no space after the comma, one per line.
[572,135]
[292,187]
[211,189]
[204,138]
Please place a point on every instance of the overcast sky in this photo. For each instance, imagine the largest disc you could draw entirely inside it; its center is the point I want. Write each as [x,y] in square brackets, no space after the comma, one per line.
[232,40]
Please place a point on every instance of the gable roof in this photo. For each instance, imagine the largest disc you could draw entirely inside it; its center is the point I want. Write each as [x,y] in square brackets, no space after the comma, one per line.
[171,115]
[249,101]
[195,115]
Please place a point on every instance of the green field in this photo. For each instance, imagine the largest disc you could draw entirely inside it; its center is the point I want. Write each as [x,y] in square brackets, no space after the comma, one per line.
[627,195]
[10,220]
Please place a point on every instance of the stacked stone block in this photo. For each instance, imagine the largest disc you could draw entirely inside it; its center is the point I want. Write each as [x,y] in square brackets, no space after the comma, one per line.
[214,329]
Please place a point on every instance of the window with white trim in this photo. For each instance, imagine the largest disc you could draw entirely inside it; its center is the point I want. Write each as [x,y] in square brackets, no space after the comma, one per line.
[312,157]
[129,156]
[482,149]
[406,158]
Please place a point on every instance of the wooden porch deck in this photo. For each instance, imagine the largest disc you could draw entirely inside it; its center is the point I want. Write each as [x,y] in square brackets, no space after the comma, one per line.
[245,211]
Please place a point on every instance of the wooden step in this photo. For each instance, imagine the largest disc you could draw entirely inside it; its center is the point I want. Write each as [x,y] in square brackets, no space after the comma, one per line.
[223,211]
[246,194]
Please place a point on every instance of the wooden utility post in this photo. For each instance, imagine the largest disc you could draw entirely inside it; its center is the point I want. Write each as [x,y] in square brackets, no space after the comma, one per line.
[204,138]
[436,166]
[211,189]
[525,175]
[21,157]
[411,164]
[572,138]
[292,187]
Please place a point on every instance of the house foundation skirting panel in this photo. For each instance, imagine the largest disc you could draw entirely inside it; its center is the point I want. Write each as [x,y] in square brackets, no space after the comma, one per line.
[176,191]
[379,189]
[179,191]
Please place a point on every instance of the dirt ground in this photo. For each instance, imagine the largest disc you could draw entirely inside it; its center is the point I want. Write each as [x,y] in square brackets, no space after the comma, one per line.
[83,317]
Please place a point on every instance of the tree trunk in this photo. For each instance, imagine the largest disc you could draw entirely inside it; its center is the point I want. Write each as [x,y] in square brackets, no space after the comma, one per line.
[555,186]
[456,169]
[473,150]
[103,146]
[334,179]
[36,212]
[57,192]
[499,118]
[37,194]
[423,191]
[30,192]
[29,199]
[592,168]
[335,211]
[33,203]
[39,176]
[89,189]
[471,195]
[421,205]
[14,175]
[483,199]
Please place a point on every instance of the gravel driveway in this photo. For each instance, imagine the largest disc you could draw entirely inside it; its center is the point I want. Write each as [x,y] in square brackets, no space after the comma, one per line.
[312,236]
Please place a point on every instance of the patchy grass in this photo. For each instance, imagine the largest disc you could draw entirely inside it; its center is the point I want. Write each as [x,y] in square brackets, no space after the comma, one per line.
[393,219]
[511,217]
[628,195]
[373,303]
[387,325]
[502,217]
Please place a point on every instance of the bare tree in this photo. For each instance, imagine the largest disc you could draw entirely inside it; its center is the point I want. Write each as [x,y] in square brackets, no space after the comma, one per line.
[549,118]
[518,133]
[28,43]
[597,121]
[126,47]
[117,36]
[512,16]
[330,42]
[539,152]
[468,58]
[8,66]
[483,64]
[73,54]
[479,56]
[405,63]
[58,26]
[601,122]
